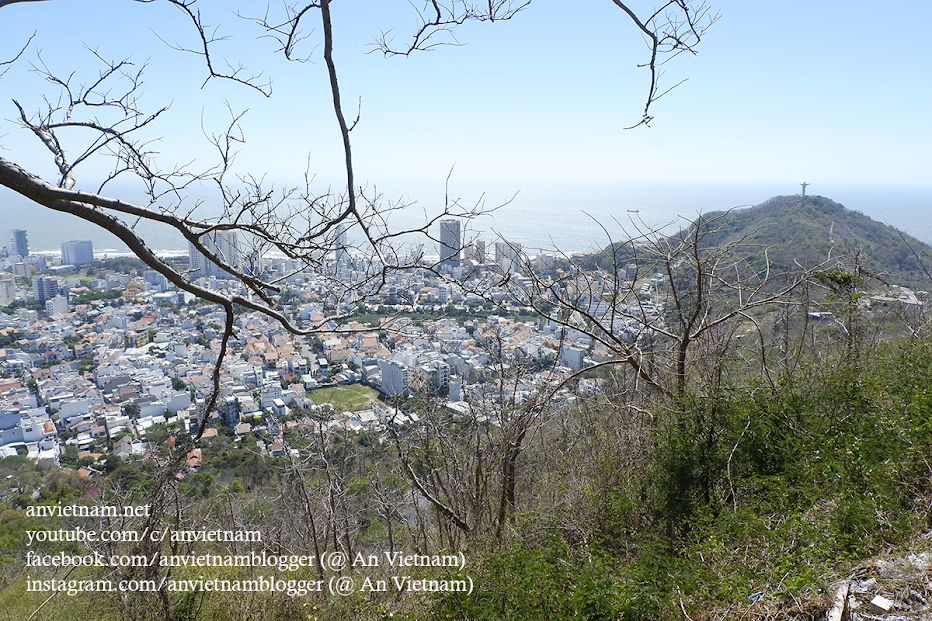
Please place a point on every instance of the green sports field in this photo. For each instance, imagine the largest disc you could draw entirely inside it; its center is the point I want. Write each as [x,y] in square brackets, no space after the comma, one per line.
[349,398]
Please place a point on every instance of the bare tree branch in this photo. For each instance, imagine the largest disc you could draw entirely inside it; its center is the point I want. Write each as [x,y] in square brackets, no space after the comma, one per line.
[254,81]
[437,23]
[676,27]
[7,63]
[4,3]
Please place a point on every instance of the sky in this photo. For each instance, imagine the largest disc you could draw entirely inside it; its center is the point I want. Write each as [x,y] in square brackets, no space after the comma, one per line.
[808,90]
[778,93]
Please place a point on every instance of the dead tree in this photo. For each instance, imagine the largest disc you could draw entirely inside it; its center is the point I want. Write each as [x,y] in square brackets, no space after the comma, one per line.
[108,109]
[650,300]
[106,117]
[467,462]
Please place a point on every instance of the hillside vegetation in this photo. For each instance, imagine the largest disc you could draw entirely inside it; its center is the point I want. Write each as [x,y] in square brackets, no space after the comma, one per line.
[790,234]
[773,449]
[736,498]
[809,231]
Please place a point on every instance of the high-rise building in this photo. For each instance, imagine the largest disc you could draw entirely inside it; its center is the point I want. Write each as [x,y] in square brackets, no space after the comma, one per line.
[450,243]
[395,377]
[7,288]
[229,411]
[23,270]
[45,288]
[508,256]
[475,251]
[225,245]
[77,252]
[342,255]
[18,244]
[479,249]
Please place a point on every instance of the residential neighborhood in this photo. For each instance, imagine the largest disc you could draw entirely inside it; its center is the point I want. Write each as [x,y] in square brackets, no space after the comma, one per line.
[96,357]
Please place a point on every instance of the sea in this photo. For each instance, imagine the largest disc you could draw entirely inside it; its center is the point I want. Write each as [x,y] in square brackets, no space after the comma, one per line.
[542,216]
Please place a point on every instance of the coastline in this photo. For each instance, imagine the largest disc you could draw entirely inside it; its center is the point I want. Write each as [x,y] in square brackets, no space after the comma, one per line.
[542,217]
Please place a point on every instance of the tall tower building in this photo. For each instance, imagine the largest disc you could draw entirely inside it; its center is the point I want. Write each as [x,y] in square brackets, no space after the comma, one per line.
[76,252]
[479,247]
[475,251]
[45,288]
[508,256]
[341,254]
[225,245]
[450,243]
[18,244]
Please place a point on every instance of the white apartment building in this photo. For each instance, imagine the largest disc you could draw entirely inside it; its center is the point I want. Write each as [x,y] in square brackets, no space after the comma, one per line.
[77,252]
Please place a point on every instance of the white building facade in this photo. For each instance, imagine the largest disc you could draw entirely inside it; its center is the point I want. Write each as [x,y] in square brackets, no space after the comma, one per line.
[77,252]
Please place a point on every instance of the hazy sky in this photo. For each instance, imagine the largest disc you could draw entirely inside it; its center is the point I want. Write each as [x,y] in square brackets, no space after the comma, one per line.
[790,91]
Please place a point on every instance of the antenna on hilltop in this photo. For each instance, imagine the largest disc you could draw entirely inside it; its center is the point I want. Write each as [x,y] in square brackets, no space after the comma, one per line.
[804,184]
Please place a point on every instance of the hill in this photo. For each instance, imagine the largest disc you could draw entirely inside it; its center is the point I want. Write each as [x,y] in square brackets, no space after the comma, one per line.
[812,230]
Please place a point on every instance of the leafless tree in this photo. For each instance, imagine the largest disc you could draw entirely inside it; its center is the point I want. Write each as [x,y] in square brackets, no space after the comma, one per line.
[467,462]
[658,302]
[104,117]
[302,225]
[914,313]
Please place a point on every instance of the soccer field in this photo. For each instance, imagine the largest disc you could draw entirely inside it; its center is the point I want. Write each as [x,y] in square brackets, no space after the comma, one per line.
[350,398]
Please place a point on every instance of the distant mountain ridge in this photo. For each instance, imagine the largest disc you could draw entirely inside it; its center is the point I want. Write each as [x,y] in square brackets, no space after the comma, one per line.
[811,230]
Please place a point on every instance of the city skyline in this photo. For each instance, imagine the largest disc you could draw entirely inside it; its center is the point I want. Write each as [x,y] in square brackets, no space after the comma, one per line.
[756,117]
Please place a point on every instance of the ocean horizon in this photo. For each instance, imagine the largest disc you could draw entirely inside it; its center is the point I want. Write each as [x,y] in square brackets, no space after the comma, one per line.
[576,217]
